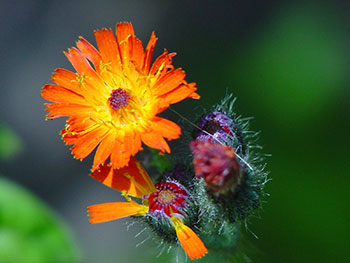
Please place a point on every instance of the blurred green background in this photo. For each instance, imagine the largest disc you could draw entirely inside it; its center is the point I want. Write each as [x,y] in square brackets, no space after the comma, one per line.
[287,62]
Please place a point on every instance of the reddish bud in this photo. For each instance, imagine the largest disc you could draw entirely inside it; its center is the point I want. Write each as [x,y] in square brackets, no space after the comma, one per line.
[216,164]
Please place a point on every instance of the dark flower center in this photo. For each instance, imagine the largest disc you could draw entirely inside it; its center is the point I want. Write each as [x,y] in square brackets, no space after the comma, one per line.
[119,98]
[212,126]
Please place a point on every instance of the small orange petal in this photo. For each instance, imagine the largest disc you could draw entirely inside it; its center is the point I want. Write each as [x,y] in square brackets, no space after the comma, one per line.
[62,95]
[87,142]
[79,123]
[66,78]
[104,150]
[79,62]
[170,81]
[148,53]
[163,61]
[132,179]
[115,210]
[190,242]
[166,128]
[180,93]
[119,157]
[60,110]
[132,142]
[155,140]
[137,52]
[90,52]
[125,33]
[108,48]
[124,30]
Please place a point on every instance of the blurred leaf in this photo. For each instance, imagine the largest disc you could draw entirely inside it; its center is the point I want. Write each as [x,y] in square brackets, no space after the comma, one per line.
[29,231]
[296,68]
[161,161]
[10,143]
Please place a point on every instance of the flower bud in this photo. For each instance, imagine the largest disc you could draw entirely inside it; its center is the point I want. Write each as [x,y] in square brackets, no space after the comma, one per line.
[216,164]
[214,127]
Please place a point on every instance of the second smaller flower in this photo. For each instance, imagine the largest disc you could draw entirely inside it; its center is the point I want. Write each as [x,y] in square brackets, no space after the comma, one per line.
[162,204]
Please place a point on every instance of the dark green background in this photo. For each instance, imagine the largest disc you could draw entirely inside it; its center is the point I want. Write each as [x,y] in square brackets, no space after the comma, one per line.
[287,62]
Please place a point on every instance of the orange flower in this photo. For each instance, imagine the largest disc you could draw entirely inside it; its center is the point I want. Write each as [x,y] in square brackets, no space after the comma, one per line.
[113,99]
[163,201]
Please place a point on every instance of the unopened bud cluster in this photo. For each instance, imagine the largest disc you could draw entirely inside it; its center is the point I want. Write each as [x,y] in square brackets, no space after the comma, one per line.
[224,179]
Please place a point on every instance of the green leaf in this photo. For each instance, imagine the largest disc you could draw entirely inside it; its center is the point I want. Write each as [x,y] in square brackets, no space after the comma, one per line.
[10,143]
[29,230]
[161,161]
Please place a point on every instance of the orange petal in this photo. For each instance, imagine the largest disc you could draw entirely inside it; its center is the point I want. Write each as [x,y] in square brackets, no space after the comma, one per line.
[86,143]
[124,30]
[79,62]
[148,53]
[137,52]
[132,179]
[66,78]
[108,47]
[114,210]
[69,138]
[194,95]
[59,110]
[125,33]
[79,123]
[169,82]
[156,141]
[90,52]
[60,94]
[166,128]
[179,94]
[119,157]
[190,242]
[104,150]
[132,142]
[182,92]
[163,61]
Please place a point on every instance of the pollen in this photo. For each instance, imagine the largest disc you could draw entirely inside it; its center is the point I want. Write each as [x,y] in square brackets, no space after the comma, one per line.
[166,197]
[119,98]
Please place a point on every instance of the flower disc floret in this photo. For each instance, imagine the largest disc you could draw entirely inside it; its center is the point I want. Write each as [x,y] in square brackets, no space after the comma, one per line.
[170,198]
[119,98]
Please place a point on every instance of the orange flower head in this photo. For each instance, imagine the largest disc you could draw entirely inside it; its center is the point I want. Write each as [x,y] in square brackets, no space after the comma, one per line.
[163,202]
[113,98]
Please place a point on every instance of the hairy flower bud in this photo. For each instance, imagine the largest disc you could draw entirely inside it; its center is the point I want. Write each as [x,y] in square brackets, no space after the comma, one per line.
[214,127]
[225,157]
[216,164]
